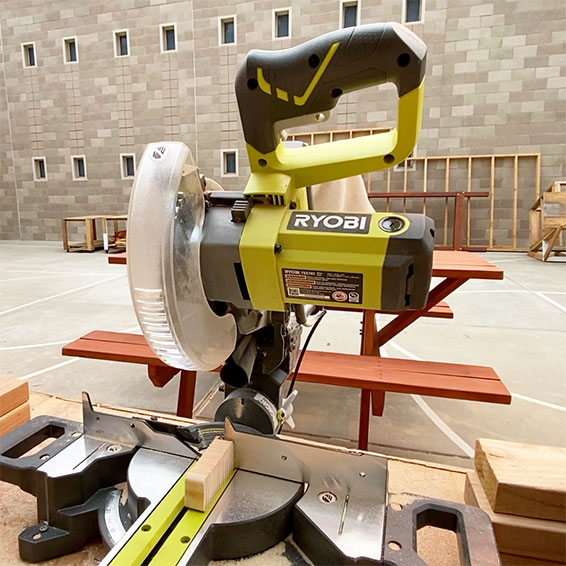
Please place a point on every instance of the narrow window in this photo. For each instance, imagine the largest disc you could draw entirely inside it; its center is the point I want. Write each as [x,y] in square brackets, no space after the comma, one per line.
[128,166]
[228,30]
[350,14]
[121,43]
[413,11]
[79,167]
[409,163]
[70,52]
[282,23]
[39,169]
[229,162]
[168,39]
[28,50]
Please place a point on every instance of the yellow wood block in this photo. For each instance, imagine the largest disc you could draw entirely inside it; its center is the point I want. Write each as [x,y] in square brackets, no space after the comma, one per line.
[208,475]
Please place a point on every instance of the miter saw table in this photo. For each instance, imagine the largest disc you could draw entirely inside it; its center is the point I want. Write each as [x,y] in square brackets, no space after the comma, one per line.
[338,518]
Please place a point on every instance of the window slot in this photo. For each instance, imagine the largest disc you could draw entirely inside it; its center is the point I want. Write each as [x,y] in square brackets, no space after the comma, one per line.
[168,38]
[228,30]
[282,24]
[28,52]
[39,169]
[121,43]
[79,167]
[413,11]
[349,14]
[128,165]
[70,52]
[229,163]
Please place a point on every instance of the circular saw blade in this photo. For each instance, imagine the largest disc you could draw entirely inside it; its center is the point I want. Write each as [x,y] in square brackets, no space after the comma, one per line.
[164,232]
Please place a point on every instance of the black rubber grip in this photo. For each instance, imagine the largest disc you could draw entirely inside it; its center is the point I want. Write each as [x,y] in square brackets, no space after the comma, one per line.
[272,86]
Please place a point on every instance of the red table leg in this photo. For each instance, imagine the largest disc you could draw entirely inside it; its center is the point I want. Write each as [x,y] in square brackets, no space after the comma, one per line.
[368,347]
[406,318]
[186,394]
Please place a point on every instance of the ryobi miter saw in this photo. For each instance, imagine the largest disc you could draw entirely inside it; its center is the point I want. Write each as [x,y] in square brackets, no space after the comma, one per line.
[229,279]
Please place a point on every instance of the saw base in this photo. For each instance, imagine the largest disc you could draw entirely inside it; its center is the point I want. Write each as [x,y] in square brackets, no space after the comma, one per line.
[118,478]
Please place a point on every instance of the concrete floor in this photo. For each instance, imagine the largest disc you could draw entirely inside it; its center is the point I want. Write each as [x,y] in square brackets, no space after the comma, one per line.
[518,326]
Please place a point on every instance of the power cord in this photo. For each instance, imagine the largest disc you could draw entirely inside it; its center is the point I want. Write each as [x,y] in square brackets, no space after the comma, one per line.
[301,356]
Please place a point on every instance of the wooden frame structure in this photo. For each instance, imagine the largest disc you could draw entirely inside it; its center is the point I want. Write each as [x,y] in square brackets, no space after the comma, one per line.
[494,161]
[460,200]
[91,242]
[547,220]
[407,180]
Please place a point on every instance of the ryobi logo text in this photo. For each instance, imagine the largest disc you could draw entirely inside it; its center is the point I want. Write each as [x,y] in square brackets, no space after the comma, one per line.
[330,222]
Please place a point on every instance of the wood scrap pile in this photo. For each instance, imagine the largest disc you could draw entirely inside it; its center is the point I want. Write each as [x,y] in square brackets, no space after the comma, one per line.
[522,487]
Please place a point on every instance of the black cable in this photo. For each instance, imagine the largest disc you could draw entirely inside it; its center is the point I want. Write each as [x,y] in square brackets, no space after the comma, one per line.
[301,356]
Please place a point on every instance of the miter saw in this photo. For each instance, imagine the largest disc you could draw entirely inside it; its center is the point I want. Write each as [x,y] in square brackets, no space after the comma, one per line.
[229,279]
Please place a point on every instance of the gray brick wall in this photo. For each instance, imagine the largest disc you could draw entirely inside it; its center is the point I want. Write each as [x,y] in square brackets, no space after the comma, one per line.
[496,83]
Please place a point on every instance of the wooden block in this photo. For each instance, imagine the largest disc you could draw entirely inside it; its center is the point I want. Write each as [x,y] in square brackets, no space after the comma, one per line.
[523,479]
[12,394]
[208,475]
[14,418]
[520,536]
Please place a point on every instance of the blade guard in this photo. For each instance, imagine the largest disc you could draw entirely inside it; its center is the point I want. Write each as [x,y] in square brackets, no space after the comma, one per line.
[278,89]
[164,231]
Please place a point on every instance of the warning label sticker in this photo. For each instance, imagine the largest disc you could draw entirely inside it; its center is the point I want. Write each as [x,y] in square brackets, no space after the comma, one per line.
[332,286]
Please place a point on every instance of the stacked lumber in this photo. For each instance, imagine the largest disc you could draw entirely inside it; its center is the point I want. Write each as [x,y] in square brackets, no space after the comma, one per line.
[522,487]
[205,478]
[14,404]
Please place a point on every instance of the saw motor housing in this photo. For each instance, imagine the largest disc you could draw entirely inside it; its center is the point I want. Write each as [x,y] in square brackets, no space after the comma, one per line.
[279,255]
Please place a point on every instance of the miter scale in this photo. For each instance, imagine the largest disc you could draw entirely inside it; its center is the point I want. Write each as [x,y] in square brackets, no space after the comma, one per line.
[229,279]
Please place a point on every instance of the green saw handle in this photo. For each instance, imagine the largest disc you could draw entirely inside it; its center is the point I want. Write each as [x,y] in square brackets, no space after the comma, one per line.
[276,89]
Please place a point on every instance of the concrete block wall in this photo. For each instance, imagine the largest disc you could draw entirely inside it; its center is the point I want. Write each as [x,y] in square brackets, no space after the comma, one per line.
[495,84]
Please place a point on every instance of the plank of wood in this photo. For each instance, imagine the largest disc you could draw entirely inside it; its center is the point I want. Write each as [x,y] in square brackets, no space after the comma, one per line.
[205,478]
[370,372]
[456,381]
[14,418]
[519,536]
[13,393]
[113,351]
[120,337]
[120,258]
[523,479]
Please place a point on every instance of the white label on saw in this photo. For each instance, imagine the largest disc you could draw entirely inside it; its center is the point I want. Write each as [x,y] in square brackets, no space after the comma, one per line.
[268,406]
[159,152]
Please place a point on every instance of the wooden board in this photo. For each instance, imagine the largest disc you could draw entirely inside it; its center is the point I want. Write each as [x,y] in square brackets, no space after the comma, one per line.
[205,478]
[523,479]
[14,418]
[455,381]
[13,393]
[520,536]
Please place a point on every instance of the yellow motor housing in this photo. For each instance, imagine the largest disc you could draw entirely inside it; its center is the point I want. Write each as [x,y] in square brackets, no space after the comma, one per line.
[379,261]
